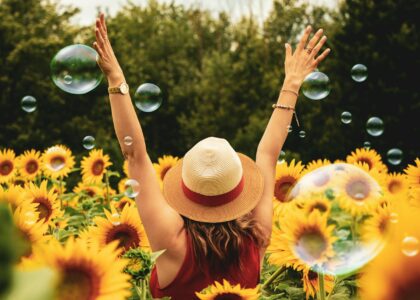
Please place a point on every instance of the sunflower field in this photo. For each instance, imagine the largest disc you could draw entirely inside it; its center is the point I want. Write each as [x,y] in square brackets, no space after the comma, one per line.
[87,241]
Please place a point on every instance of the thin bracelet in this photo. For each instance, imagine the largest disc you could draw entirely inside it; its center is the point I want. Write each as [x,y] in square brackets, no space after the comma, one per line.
[281,106]
[290,91]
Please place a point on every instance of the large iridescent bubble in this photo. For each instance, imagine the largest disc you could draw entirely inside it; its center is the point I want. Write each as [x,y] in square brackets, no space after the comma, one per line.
[337,219]
[74,69]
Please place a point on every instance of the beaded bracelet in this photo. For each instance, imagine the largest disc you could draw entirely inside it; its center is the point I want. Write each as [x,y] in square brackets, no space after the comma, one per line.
[281,106]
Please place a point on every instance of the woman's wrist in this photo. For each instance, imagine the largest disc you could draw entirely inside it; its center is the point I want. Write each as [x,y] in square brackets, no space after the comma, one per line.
[116,78]
[292,84]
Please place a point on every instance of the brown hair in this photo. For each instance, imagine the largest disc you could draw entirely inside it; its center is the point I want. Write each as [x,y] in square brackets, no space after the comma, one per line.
[220,244]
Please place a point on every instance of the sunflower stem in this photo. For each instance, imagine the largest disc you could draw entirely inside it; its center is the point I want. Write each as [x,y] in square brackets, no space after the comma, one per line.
[272,278]
[60,189]
[321,287]
[107,188]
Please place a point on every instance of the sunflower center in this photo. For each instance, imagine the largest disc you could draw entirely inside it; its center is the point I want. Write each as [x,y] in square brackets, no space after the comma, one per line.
[125,234]
[321,178]
[77,283]
[312,275]
[319,206]
[19,182]
[135,265]
[282,187]
[228,296]
[394,186]
[98,167]
[31,166]
[57,162]
[44,208]
[366,161]
[164,171]
[311,245]
[358,189]
[90,192]
[383,224]
[6,167]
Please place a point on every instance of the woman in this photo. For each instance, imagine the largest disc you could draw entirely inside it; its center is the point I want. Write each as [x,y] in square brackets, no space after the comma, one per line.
[215,211]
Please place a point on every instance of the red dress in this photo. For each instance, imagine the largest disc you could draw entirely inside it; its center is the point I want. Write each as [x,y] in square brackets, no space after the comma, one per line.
[191,279]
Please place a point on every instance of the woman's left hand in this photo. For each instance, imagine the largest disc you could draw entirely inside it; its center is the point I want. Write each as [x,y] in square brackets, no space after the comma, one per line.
[304,59]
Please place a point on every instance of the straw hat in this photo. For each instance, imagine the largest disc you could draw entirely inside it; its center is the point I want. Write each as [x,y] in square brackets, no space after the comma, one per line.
[213,183]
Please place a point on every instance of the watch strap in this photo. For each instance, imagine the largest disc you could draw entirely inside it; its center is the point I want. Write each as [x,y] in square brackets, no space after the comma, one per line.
[114,90]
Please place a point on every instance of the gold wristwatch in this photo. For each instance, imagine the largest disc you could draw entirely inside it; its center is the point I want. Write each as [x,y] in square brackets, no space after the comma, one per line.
[122,89]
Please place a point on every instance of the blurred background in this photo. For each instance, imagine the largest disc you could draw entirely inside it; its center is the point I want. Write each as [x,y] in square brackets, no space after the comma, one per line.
[220,67]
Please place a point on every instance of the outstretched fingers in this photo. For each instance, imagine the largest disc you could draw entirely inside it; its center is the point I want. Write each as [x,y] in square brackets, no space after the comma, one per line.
[318,46]
[103,22]
[304,39]
[98,49]
[314,40]
[322,56]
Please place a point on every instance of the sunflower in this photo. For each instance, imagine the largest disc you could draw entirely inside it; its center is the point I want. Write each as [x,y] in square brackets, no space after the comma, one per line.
[164,164]
[228,291]
[7,165]
[57,161]
[125,168]
[315,164]
[123,202]
[29,164]
[316,202]
[126,228]
[357,192]
[91,190]
[368,156]
[396,185]
[84,272]
[302,241]
[29,227]
[286,177]
[395,273]
[413,174]
[48,205]
[378,227]
[16,197]
[311,283]
[94,166]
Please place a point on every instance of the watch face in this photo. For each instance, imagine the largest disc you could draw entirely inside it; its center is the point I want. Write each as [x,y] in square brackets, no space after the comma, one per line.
[124,88]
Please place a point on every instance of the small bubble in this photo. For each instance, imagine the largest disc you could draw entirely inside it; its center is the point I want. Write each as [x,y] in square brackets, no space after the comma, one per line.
[410,246]
[282,157]
[393,218]
[131,187]
[359,73]
[28,104]
[394,156]
[68,79]
[375,126]
[367,145]
[88,142]
[128,140]
[302,134]
[289,128]
[346,117]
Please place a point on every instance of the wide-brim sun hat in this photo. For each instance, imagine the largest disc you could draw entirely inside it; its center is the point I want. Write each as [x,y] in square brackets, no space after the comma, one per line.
[213,183]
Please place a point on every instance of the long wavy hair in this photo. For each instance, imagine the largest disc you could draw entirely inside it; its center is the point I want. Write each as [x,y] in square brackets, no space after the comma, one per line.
[220,244]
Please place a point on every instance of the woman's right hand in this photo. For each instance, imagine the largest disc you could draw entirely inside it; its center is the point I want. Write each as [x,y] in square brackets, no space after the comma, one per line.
[107,60]
[304,59]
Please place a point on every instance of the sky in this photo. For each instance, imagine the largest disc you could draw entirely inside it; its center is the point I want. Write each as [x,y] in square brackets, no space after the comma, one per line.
[260,8]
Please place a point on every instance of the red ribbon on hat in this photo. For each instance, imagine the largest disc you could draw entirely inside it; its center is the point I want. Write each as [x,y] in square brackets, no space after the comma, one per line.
[213,200]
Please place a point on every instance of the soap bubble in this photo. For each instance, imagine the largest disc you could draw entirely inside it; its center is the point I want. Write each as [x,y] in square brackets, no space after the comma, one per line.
[394,156]
[282,157]
[28,104]
[289,128]
[88,142]
[367,145]
[302,134]
[375,126]
[346,117]
[336,221]
[359,73]
[131,188]
[316,86]
[128,140]
[148,97]
[74,69]
[410,246]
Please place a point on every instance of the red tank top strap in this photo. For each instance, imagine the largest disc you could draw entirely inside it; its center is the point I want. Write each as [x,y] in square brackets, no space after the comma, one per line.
[191,279]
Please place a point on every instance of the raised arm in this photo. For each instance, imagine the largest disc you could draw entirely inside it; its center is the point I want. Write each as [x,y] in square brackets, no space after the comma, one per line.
[161,222]
[298,65]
